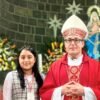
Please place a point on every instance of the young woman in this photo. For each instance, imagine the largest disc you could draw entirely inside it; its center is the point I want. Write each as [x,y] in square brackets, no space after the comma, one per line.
[24,83]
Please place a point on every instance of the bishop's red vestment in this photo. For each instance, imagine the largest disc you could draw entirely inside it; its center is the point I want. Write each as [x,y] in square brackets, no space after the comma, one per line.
[58,76]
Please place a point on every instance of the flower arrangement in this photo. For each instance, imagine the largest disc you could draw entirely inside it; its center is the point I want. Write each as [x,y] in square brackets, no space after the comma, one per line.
[7,55]
[53,53]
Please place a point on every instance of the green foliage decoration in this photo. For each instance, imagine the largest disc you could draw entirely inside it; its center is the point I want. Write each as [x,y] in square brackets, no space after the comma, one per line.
[7,55]
[53,53]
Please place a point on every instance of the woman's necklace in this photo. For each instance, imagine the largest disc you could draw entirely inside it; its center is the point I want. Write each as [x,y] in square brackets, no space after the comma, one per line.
[30,87]
[30,83]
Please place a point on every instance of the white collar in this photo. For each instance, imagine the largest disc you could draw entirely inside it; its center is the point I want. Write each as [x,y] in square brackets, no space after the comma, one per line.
[75,62]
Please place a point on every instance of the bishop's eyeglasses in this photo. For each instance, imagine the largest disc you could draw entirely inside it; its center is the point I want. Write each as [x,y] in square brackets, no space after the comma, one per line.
[76,41]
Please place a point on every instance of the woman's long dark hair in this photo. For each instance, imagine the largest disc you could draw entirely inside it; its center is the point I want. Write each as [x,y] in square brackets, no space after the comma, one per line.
[34,69]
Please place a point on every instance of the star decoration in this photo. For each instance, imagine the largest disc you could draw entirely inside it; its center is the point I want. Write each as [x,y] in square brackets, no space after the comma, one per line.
[55,24]
[73,8]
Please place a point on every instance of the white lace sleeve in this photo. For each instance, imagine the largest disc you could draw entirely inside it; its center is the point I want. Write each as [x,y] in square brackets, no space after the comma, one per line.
[89,94]
[57,94]
[7,87]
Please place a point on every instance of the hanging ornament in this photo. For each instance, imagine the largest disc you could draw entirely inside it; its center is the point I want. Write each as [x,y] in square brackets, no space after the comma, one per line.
[74,8]
[55,24]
